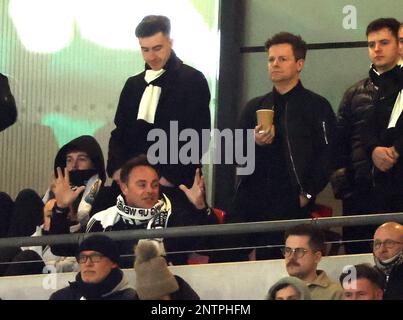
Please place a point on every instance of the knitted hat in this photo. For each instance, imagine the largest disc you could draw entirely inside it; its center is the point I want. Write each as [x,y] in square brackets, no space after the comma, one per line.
[101,244]
[153,278]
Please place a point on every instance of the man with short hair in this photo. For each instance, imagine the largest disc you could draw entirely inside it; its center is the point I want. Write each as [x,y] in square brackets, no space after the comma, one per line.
[140,206]
[292,159]
[166,91]
[388,257]
[304,247]
[362,282]
[100,277]
[353,180]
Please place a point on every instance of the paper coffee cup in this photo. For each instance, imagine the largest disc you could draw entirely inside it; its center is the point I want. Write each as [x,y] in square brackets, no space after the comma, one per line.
[265,118]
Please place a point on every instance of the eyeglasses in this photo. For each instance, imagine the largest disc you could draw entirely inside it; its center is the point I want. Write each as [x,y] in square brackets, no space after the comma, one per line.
[94,258]
[389,244]
[299,252]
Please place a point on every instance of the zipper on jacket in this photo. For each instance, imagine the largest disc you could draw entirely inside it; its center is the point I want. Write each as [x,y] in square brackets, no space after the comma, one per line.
[324,132]
[289,150]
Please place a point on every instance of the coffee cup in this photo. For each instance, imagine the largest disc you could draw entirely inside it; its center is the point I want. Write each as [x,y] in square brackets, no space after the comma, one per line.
[265,118]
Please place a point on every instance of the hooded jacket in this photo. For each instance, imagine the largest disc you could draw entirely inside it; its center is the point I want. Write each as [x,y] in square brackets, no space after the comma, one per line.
[87,144]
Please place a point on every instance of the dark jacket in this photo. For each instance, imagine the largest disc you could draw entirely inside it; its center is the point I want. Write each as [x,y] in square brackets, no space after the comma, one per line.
[308,123]
[114,287]
[375,131]
[185,98]
[353,164]
[8,109]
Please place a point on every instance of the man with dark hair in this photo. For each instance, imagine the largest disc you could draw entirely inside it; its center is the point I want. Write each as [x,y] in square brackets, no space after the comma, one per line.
[362,282]
[167,93]
[293,158]
[353,181]
[304,247]
[100,277]
[142,206]
[8,110]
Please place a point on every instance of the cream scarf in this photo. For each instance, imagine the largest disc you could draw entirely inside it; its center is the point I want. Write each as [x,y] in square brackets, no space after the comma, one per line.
[150,98]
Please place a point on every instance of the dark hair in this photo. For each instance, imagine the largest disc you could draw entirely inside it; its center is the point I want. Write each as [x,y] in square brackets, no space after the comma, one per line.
[298,45]
[279,287]
[140,160]
[391,23]
[151,25]
[316,236]
[365,271]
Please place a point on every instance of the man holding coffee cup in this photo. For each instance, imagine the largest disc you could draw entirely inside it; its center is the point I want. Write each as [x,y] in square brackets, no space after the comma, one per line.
[294,134]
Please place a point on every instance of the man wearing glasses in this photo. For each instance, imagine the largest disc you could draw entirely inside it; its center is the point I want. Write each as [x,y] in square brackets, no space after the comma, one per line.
[99,277]
[388,256]
[304,246]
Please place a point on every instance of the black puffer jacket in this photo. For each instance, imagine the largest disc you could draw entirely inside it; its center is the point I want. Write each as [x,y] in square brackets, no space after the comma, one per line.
[352,158]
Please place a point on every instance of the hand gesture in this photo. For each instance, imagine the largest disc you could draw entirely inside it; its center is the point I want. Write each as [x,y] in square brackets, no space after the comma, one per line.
[384,158]
[64,195]
[196,194]
[264,137]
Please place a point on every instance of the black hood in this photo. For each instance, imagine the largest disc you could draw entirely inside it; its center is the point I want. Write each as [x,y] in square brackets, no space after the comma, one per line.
[87,144]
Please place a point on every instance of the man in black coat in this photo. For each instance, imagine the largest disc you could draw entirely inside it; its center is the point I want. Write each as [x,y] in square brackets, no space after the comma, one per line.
[168,95]
[352,181]
[100,277]
[8,110]
[293,158]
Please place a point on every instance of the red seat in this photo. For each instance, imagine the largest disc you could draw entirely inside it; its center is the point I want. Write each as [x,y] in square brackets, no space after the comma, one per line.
[321,211]
[220,214]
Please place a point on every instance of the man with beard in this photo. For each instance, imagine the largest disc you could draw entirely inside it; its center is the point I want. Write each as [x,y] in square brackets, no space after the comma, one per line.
[304,247]
[388,256]
[100,277]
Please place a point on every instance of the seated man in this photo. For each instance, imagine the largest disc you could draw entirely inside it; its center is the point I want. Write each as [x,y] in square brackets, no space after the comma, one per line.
[100,277]
[388,256]
[8,110]
[362,282]
[304,246]
[140,206]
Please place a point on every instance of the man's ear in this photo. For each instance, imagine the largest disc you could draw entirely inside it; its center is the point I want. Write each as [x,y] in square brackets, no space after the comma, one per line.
[318,256]
[124,188]
[300,64]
